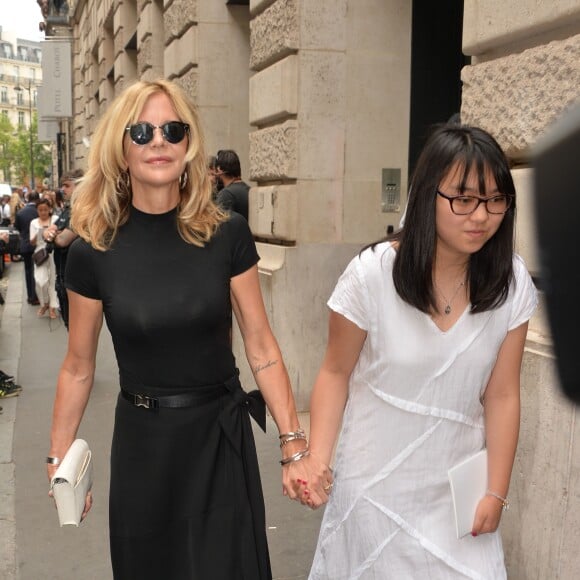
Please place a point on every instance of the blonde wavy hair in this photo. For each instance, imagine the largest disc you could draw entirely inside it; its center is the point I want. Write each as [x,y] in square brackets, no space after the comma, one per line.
[101,201]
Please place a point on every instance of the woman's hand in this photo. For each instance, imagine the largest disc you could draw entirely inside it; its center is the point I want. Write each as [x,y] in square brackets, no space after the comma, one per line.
[49,233]
[487,516]
[308,481]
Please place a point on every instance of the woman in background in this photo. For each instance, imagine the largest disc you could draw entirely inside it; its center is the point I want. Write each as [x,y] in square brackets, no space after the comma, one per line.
[44,274]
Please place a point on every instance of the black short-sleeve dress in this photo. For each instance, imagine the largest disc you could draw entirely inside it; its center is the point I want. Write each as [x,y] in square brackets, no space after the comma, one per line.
[185,493]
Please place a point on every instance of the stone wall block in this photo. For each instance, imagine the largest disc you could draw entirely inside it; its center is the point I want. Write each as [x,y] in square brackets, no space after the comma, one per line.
[145,54]
[146,23]
[188,82]
[516,97]
[274,34]
[178,17]
[143,5]
[274,92]
[545,504]
[323,25]
[273,153]
[257,6]
[273,212]
[181,54]
[492,24]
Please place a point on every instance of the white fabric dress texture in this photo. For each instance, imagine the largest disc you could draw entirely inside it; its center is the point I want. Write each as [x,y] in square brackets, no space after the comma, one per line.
[413,412]
[45,274]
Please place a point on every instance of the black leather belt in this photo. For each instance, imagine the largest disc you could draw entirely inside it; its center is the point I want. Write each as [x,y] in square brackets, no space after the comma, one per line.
[172,401]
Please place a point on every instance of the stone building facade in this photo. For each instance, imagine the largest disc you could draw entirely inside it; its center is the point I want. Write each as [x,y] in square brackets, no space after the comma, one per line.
[316,96]
[20,76]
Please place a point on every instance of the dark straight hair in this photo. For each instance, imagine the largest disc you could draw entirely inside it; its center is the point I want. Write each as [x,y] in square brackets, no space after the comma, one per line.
[490,270]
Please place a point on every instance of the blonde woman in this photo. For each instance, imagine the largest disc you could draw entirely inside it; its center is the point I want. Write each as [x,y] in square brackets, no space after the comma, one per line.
[164,266]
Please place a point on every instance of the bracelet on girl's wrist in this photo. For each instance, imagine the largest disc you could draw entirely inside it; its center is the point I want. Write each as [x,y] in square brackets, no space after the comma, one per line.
[505,504]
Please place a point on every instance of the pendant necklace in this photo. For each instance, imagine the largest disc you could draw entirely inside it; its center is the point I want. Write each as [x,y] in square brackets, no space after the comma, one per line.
[447,308]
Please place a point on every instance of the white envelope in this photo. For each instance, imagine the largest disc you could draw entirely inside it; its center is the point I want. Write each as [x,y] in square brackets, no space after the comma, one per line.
[71,483]
[468,481]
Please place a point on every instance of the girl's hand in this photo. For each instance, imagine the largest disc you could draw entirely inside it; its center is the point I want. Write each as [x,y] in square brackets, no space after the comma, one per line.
[487,516]
[309,481]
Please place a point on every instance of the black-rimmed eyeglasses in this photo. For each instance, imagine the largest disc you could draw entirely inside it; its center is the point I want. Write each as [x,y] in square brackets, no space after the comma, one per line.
[467,204]
[173,132]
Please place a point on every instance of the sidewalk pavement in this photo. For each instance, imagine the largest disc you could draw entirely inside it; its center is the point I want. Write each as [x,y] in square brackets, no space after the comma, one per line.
[10,341]
[32,546]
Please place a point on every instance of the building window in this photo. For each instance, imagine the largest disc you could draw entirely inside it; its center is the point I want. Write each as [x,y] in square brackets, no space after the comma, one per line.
[4,113]
[19,98]
[21,119]
[4,95]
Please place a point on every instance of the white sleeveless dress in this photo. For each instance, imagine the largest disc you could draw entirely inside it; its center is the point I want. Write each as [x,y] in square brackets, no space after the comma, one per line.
[413,412]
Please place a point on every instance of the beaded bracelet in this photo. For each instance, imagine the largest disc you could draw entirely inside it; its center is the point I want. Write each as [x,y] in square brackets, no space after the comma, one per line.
[504,501]
[296,457]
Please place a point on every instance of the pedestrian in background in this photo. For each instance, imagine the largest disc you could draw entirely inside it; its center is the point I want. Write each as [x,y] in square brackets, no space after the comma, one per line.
[216,183]
[60,236]
[5,212]
[164,265]
[22,224]
[16,204]
[233,196]
[421,372]
[44,274]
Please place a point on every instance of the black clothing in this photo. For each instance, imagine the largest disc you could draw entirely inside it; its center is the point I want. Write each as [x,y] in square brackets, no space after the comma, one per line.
[60,255]
[234,197]
[185,496]
[22,224]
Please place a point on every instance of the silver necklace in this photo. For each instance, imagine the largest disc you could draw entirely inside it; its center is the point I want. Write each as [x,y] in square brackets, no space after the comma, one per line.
[447,308]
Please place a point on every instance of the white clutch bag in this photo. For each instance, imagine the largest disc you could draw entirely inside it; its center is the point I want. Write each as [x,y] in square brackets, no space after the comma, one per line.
[71,483]
[468,481]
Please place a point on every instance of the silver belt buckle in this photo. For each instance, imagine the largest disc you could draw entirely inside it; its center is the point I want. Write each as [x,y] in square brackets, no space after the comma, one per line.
[145,401]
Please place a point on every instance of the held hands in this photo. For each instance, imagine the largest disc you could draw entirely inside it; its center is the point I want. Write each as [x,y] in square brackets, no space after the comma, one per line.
[487,515]
[308,481]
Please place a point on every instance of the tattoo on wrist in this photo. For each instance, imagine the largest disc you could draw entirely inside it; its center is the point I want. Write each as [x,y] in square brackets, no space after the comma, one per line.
[259,368]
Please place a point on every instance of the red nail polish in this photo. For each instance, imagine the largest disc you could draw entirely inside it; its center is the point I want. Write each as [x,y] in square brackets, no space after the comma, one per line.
[474,534]
[299,480]
[306,492]
[304,482]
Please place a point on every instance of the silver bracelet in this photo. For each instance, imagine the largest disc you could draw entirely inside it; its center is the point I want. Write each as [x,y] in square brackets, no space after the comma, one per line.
[296,457]
[504,500]
[53,460]
[298,431]
[294,437]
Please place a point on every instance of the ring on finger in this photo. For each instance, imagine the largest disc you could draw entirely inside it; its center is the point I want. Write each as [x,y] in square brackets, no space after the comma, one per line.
[328,487]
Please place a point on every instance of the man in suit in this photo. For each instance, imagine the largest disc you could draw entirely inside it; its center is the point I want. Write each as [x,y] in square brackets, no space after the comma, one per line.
[22,224]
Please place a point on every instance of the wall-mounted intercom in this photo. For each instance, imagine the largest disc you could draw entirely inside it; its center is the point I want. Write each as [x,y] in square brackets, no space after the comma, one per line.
[391,190]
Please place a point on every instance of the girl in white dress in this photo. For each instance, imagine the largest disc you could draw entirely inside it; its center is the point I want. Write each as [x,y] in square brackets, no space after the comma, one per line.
[422,371]
[45,274]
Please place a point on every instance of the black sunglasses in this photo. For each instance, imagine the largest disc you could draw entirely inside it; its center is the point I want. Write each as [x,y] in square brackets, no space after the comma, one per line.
[173,132]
